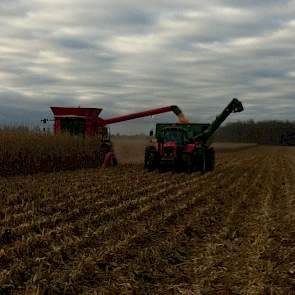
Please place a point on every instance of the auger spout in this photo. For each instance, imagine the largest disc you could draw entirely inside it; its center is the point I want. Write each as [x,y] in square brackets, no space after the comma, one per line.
[235,106]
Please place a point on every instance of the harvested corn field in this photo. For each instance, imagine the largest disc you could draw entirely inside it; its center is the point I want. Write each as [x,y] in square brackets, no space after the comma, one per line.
[128,231]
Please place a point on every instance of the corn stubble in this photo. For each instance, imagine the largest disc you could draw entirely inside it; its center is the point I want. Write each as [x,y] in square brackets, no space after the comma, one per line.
[127,231]
[27,152]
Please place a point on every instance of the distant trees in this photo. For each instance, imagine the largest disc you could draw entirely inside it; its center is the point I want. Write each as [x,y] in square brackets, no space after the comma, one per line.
[264,132]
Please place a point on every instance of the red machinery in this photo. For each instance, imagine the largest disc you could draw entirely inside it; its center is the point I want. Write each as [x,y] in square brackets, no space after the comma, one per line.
[86,121]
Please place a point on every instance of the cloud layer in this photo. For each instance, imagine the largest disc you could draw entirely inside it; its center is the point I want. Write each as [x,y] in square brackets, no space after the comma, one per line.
[132,55]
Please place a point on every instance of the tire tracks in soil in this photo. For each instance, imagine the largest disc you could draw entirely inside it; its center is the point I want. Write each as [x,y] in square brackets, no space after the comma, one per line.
[191,180]
[216,255]
[125,243]
[280,253]
[149,240]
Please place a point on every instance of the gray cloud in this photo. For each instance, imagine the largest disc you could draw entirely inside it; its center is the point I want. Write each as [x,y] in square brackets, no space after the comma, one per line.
[127,56]
[75,43]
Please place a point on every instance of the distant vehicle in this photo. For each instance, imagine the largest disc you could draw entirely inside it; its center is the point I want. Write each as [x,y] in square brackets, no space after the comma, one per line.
[288,139]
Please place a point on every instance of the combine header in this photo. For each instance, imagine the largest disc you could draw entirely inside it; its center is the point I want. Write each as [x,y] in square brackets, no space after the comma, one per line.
[184,147]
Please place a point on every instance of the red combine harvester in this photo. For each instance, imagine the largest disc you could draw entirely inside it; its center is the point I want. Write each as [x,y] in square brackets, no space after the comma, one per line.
[86,122]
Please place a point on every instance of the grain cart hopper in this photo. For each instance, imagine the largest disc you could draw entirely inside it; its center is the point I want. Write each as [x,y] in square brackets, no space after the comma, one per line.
[86,122]
[185,147]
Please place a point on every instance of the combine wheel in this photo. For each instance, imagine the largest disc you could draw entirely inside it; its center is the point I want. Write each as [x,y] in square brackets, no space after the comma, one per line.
[107,156]
[109,160]
[103,149]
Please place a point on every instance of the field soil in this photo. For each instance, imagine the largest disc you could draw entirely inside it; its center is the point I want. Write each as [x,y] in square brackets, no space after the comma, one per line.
[127,231]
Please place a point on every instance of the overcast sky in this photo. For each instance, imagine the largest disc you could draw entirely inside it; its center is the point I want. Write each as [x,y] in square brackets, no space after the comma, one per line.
[131,55]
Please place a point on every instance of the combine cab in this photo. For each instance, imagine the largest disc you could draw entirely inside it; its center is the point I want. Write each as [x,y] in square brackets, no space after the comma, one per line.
[186,147]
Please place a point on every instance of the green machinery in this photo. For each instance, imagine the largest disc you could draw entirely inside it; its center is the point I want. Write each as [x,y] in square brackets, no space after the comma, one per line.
[186,146]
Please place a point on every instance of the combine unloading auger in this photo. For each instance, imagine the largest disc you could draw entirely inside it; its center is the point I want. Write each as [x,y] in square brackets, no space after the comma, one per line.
[175,109]
[86,121]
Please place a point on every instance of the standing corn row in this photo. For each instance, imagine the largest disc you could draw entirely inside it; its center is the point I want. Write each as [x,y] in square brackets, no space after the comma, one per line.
[25,152]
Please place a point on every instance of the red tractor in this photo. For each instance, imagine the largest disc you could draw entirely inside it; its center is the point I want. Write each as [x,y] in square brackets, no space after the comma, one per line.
[184,147]
[86,122]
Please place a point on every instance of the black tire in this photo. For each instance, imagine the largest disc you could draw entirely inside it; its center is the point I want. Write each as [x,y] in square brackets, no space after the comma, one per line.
[150,158]
[162,168]
[187,163]
[114,161]
[178,165]
[210,160]
[197,161]
[103,149]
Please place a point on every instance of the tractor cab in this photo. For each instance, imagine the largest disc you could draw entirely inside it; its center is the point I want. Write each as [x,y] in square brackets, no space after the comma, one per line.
[174,134]
[173,139]
[180,133]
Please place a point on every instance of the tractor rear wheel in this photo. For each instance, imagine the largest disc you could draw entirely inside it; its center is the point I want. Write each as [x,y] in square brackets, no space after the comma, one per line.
[150,158]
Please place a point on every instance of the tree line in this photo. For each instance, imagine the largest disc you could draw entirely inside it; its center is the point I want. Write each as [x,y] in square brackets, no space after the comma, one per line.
[264,132]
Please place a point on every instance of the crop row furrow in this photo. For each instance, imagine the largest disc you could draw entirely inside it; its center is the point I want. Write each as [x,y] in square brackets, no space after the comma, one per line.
[77,244]
[222,247]
[165,217]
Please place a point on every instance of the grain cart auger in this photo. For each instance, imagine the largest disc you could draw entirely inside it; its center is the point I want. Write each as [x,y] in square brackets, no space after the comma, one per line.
[185,147]
[86,122]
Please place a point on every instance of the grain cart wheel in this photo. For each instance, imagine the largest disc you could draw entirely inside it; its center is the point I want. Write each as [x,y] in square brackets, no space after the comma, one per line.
[150,158]
[210,160]
[187,162]
[178,167]
[198,161]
